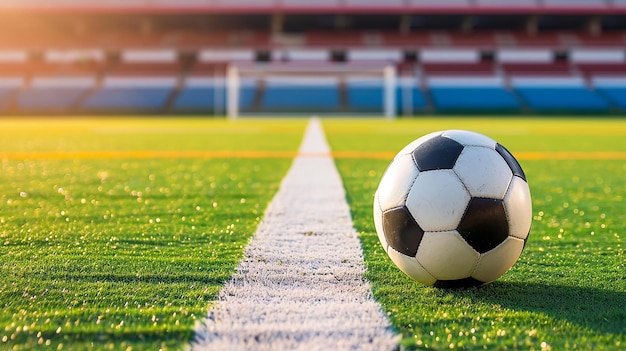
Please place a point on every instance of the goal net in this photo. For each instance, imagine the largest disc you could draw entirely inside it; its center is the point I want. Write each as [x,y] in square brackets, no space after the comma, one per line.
[288,89]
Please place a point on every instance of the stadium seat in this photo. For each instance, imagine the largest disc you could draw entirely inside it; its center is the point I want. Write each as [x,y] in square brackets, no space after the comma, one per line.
[334,40]
[603,69]
[409,97]
[540,40]
[612,88]
[8,87]
[54,93]
[301,93]
[477,93]
[365,94]
[472,40]
[558,94]
[556,69]
[458,69]
[201,95]
[127,94]
[128,99]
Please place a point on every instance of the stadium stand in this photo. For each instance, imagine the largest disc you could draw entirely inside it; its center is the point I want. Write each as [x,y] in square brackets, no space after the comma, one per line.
[203,90]
[54,94]
[143,80]
[613,89]
[473,93]
[451,55]
[558,94]
[301,94]
[409,97]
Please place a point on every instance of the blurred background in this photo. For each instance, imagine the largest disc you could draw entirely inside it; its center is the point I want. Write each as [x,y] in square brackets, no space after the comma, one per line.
[394,57]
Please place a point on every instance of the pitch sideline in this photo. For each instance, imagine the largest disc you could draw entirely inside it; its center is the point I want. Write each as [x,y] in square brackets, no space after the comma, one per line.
[300,284]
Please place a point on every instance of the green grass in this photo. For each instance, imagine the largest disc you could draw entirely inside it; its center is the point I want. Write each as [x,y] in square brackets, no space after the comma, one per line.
[126,253]
[568,289]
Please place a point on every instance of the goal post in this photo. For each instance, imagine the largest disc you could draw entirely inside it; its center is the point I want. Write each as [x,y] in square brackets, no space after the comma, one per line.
[232,92]
[390,91]
[314,89]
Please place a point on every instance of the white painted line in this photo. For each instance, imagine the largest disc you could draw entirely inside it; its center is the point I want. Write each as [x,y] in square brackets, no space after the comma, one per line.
[300,285]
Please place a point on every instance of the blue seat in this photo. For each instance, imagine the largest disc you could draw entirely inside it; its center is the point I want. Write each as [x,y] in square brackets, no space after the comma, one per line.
[300,97]
[616,95]
[473,98]
[49,98]
[365,97]
[247,94]
[201,99]
[418,101]
[575,98]
[5,95]
[128,98]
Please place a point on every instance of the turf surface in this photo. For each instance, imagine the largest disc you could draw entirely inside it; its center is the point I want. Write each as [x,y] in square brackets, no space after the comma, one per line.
[104,245]
[567,291]
[119,252]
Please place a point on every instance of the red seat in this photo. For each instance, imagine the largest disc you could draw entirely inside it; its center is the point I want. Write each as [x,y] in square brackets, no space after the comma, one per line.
[338,39]
[47,69]
[458,68]
[610,39]
[602,69]
[133,69]
[549,39]
[530,69]
[474,40]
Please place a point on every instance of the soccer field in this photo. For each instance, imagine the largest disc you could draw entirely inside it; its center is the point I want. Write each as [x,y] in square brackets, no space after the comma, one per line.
[119,233]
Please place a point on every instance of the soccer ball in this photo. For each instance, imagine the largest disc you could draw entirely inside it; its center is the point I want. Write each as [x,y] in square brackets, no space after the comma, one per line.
[453,209]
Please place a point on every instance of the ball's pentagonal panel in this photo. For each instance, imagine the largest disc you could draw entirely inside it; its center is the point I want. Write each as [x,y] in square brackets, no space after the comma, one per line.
[468,138]
[411,267]
[458,283]
[518,206]
[511,161]
[437,153]
[484,172]
[437,200]
[415,143]
[401,231]
[446,256]
[378,223]
[484,225]
[396,182]
[496,262]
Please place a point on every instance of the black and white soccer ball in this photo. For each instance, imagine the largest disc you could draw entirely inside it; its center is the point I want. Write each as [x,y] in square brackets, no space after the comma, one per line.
[453,209]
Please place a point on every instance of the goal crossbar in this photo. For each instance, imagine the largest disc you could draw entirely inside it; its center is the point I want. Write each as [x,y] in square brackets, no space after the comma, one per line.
[238,76]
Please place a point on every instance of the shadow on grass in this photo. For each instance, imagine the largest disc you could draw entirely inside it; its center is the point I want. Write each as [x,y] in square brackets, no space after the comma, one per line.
[593,308]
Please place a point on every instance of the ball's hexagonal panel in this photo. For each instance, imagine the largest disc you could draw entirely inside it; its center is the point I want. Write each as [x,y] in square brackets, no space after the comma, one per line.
[396,182]
[496,262]
[484,225]
[518,206]
[484,172]
[437,153]
[401,231]
[408,149]
[446,256]
[468,138]
[378,223]
[411,267]
[437,200]
[511,161]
